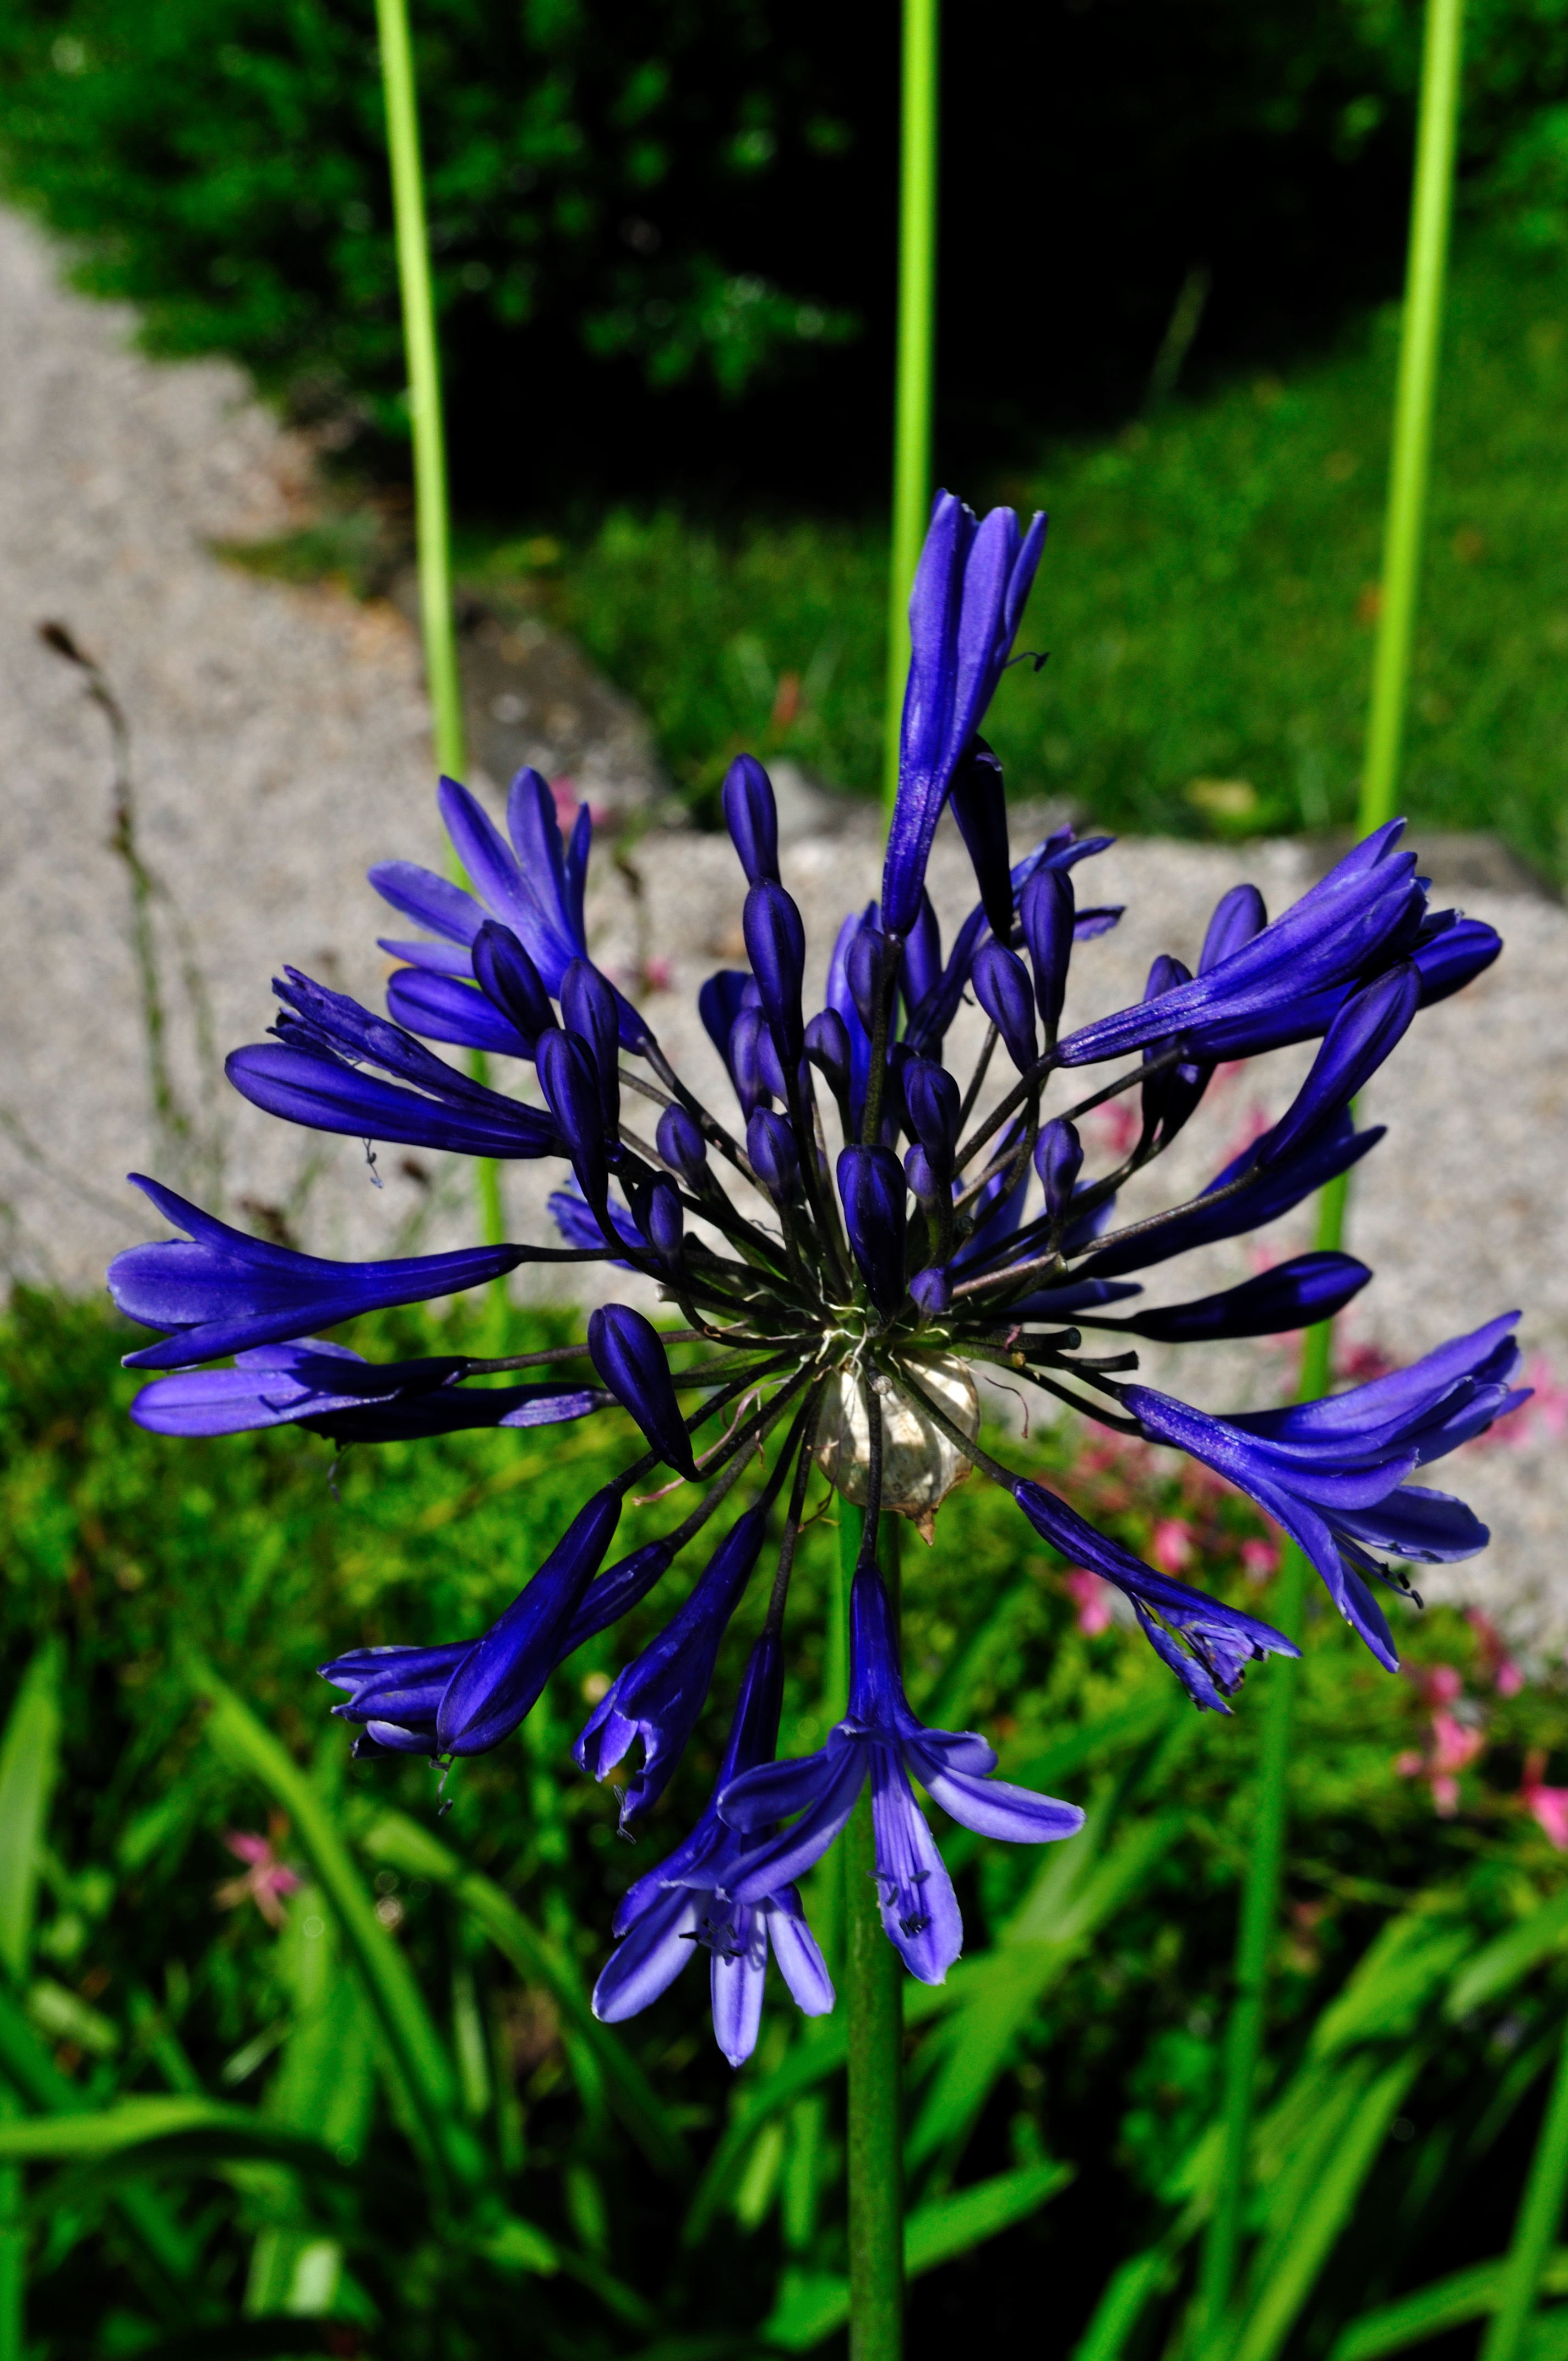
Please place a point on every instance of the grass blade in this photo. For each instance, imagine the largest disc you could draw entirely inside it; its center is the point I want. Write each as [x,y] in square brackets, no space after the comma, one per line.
[1431,2310]
[404,1843]
[29,1755]
[816,2303]
[416,2048]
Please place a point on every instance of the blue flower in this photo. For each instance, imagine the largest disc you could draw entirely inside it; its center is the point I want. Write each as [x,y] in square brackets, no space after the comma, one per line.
[312,1078]
[873,1218]
[338,1393]
[465,1699]
[686,1904]
[1334,1472]
[656,1700]
[1365,911]
[1207,1644]
[535,891]
[224,1293]
[879,1739]
[971,589]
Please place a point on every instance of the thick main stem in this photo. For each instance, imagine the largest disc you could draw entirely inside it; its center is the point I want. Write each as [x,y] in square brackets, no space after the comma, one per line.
[917,315]
[874,1999]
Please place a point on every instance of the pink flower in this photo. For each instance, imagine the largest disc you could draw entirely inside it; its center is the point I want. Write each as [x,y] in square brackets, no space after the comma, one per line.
[267,1880]
[1260,1560]
[1505,1675]
[568,802]
[1411,1764]
[1440,1685]
[1362,1363]
[1170,1544]
[1444,1794]
[1118,1124]
[1548,1807]
[1093,1599]
[1454,1745]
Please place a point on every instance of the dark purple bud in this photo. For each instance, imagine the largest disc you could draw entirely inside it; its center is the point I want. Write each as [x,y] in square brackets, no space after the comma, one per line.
[1454,956]
[932,1100]
[511,982]
[751,816]
[745,1065]
[662,1219]
[866,955]
[1059,1160]
[589,1007]
[629,1357]
[1048,912]
[1367,1028]
[616,1592]
[1295,1294]
[872,1188]
[1169,1098]
[770,1144]
[720,1003]
[928,1185]
[932,1291]
[1000,984]
[775,945]
[980,806]
[900,1058]
[1239,916]
[568,1076]
[827,1047]
[1165,974]
[768,1063]
[922,955]
[501,1676]
[681,1142]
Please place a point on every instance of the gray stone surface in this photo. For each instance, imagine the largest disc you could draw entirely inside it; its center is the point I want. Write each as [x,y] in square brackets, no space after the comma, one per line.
[280,746]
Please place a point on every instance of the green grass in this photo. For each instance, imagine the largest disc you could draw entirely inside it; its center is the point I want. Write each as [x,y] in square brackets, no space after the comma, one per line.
[133,1552]
[1207,597]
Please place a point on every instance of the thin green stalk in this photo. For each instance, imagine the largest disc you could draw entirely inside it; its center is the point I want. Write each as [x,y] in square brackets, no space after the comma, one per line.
[1409,477]
[432,525]
[13,2252]
[1267,1833]
[420,346]
[917,315]
[1411,469]
[1536,2229]
[874,1998]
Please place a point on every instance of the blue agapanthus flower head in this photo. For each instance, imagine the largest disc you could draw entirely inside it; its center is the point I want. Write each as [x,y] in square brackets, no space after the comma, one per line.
[840,1245]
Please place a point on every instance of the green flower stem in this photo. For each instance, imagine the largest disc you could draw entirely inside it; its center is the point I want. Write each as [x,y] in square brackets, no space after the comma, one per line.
[1409,482]
[432,514]
[874,2003]
[1268,1828]
[1410,473]
[917,314]
[13,2251]
[1536,2228]
[424,386]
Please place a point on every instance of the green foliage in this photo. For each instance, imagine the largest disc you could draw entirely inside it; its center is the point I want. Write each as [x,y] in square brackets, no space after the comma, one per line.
[225,165]
[392,2120]
[1207,595]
